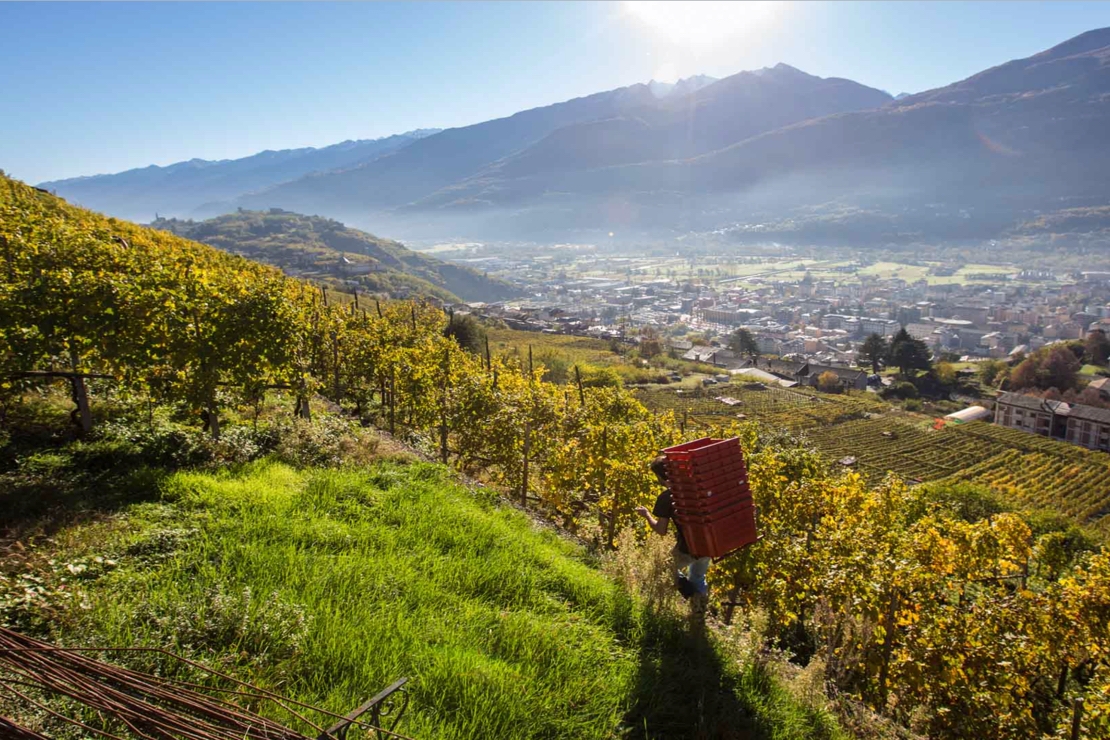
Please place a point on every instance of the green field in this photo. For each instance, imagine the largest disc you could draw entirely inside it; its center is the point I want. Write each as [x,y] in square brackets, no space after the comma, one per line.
[327,585]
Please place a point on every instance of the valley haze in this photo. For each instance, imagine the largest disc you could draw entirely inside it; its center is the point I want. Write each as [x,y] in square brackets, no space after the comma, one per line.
[808,159]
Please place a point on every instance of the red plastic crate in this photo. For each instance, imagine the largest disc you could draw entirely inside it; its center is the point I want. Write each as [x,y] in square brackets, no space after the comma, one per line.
[705,467]
[714,503]
[719,498]
[720,537]
[702,499]
[730,476]
[698,448]
[713,515]
[711,495]
[701,452]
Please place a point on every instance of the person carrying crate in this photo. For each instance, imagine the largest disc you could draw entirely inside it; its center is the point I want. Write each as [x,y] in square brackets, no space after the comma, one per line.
[690,570]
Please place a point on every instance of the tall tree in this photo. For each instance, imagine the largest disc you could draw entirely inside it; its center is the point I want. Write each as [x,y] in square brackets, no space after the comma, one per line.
[873,352]
[743,343]
[1054,366]
[1097,347]
[908,354]
[1059,369]
[1024,375]
[650,344]
[991,371]
[468,332]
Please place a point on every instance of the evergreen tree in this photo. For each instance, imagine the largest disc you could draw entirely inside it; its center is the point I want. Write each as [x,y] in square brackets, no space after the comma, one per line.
[908,354]
[743,343]
[873,352]
[1097,347]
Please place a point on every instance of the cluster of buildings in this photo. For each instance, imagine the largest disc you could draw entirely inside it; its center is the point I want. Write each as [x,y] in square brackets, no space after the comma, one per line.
[805,328]
[822,321]
[1079,424]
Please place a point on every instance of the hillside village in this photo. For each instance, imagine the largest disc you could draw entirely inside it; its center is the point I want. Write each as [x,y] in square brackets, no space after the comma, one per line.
[808,324]
[822,320]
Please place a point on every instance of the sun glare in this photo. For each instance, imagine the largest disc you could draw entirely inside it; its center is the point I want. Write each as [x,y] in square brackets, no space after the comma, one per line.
[699,23]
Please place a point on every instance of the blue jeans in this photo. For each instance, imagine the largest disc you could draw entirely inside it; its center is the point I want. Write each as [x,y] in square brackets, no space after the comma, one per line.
[695,568]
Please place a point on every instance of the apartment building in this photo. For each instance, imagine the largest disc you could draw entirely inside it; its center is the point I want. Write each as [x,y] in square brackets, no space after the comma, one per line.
[1032,414]
[1089,427]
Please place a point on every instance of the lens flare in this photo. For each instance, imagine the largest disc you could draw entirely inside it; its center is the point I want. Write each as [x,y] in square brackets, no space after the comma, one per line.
[700,23]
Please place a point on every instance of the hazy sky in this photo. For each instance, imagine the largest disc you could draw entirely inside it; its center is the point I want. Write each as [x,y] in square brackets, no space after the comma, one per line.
[87,88]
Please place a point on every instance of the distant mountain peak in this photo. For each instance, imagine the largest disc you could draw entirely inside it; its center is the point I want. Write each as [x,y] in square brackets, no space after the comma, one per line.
[1098,38]
[179,188]
[684,86]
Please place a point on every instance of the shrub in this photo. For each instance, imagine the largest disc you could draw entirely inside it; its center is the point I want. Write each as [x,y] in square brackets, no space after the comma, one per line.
[467,332]
[170,445]
[967,501]
[600,377]
[263,630]
[325,441]
[828,381]
[903,389]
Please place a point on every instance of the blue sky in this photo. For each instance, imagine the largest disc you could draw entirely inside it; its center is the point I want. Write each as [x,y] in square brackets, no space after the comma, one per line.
[98,87]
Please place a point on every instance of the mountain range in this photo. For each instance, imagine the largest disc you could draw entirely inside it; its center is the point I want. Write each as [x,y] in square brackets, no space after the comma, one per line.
[1015,150]
[178,189]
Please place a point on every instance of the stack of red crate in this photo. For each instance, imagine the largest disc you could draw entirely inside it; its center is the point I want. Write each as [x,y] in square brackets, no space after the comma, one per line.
[711,496]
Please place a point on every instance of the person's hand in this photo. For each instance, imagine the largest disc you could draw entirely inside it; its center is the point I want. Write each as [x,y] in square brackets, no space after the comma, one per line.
[642,511]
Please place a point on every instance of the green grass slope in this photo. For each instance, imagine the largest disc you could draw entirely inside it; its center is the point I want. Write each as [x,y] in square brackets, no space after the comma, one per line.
[326,585]
[320,248]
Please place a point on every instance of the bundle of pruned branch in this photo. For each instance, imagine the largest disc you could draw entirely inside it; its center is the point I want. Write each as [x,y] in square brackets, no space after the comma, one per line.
[129,703]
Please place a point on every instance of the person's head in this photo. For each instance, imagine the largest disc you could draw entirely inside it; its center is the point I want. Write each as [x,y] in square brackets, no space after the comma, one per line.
[659,467]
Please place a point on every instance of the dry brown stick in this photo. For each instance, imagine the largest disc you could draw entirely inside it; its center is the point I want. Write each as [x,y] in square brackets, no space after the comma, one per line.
[51,712]
[45,648]
[151,685]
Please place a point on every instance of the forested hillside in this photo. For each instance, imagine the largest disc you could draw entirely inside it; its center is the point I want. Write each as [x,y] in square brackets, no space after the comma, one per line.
[322,249]
[937,605]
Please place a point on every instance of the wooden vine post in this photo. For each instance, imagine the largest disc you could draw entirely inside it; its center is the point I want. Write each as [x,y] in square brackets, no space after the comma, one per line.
[602,483]
[888,647]
[527,453]
[730,605]
[614,510]
[392,400]
[443,405]
[1076,718]
[578,381]
[335,363]
[80,394]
